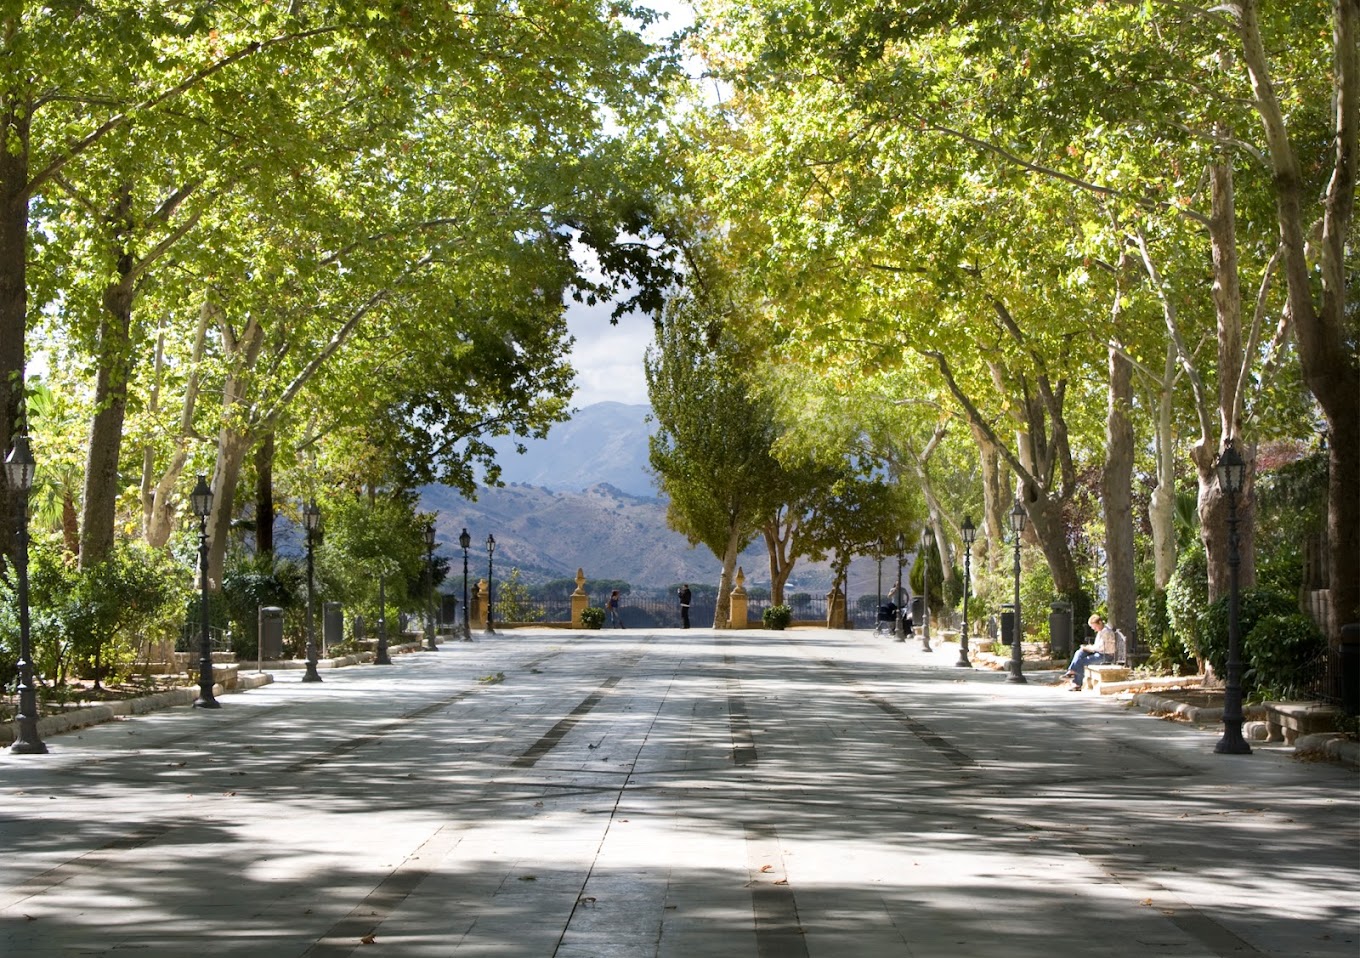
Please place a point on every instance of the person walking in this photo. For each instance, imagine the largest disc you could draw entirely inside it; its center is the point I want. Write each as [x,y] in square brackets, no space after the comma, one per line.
[685,597]
[612,609]
[1090,653]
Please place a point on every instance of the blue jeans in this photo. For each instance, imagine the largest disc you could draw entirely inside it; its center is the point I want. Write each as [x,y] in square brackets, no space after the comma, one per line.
[1079,662]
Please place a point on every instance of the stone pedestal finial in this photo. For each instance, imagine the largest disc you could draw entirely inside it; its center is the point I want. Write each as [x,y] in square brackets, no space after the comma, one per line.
[579,600]
[481,599]
[736,617]
[835,608]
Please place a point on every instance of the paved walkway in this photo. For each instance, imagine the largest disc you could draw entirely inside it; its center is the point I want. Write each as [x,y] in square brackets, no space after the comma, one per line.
[696,794]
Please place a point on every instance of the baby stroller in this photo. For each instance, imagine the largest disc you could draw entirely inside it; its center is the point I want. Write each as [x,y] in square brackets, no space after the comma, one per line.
[887,619]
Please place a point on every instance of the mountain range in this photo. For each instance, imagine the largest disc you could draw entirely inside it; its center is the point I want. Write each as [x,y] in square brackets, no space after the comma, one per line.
[584,497]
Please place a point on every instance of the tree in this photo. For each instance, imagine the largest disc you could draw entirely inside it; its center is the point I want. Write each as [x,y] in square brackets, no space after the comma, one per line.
[712,447]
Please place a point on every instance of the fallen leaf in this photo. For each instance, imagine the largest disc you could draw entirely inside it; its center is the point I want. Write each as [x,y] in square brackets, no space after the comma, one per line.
[782,881]
[1146,901]
[368,939]
[766,868]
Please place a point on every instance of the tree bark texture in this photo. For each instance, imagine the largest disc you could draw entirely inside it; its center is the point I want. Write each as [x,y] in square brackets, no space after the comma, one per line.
[1116,486]
[14,125]
[264,495]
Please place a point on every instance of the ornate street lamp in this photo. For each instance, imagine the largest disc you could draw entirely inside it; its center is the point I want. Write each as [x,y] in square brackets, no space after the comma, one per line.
[927,544]
[311,519]
[429,600]
[464,541]
[1018,518]
[1232,475]
[19,470]
[490,559]
[899,597]
[201,500]
[969,536]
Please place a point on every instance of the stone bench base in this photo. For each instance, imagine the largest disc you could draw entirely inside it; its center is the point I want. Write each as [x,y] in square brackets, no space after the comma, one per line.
[1098,674]
[1286,721]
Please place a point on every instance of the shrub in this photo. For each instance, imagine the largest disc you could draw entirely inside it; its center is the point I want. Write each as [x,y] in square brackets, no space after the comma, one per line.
[1280,649]
[1255,604]
[250,583]
[1187,596]
[777,617]
[513,603]
[592,617]
[1164,650]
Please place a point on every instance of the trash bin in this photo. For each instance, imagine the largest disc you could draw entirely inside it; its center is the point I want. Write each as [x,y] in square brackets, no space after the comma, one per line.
[1008,624]
[918,609]
[448,609]
[270,622]
[332,625]
[1060,630]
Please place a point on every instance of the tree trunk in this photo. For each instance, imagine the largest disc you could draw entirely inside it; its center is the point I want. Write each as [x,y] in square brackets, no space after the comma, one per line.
[1116,483]
[1162,507]
[1046,521]
[995,498]
[1227,295]
[264,496]
[14,120]
[1315,263]
[158,504]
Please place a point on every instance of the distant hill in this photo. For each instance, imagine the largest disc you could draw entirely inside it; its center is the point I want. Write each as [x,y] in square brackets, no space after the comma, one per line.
[548,534]
[603,443]
[583,498]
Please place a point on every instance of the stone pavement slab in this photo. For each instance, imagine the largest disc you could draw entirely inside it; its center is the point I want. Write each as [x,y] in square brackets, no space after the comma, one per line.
[672,793]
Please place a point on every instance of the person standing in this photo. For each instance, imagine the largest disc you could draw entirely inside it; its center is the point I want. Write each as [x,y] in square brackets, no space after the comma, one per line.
[612,609]
[1090,653]
[685,597]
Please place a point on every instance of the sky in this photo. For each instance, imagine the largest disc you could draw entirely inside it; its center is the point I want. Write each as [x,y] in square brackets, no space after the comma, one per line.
[608,359]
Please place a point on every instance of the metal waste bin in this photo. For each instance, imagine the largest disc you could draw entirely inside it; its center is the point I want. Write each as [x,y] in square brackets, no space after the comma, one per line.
[1008,624]
[269,622]
[1060,630]
[332,625]
[448,609]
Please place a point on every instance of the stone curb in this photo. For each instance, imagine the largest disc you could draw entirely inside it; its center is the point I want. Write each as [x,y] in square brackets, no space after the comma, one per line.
[107,711]
[1328,745]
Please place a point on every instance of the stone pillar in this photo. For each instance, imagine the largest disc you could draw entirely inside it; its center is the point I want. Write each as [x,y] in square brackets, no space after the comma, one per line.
[579,600]
[835,608]
[480,598]
[736,616]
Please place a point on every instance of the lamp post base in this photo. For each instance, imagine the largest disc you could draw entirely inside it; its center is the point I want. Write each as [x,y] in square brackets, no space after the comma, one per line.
[925,643]
[963,661]
[429,644]
[1232,742]
[382,658]
[311,674]
[27,742]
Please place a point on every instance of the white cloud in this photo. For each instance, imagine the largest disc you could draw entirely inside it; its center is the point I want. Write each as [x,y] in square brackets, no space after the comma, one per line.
[608,358]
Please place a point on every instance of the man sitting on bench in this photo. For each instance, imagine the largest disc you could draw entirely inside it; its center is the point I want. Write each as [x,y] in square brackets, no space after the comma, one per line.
[1090,653]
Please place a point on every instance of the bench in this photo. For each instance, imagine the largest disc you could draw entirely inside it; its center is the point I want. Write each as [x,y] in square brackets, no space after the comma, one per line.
[1286,721]
[1096,674]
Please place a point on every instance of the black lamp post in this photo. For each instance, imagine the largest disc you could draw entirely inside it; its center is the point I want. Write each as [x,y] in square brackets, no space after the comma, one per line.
[382,656]
[464,541]
[1232,474]
[201,500]
[969,535]
[430,645]
[927,544]
[881,549]
[19,470]
[899,597]
[490,558]
[311,518]
[1018,518]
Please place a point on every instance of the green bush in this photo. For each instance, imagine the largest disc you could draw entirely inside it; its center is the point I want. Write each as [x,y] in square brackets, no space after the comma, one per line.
[1164,650]
[252,582]
[592,617]
[513,603]
[1187,596]
[777,617]
[1279,650]
[1254,605]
